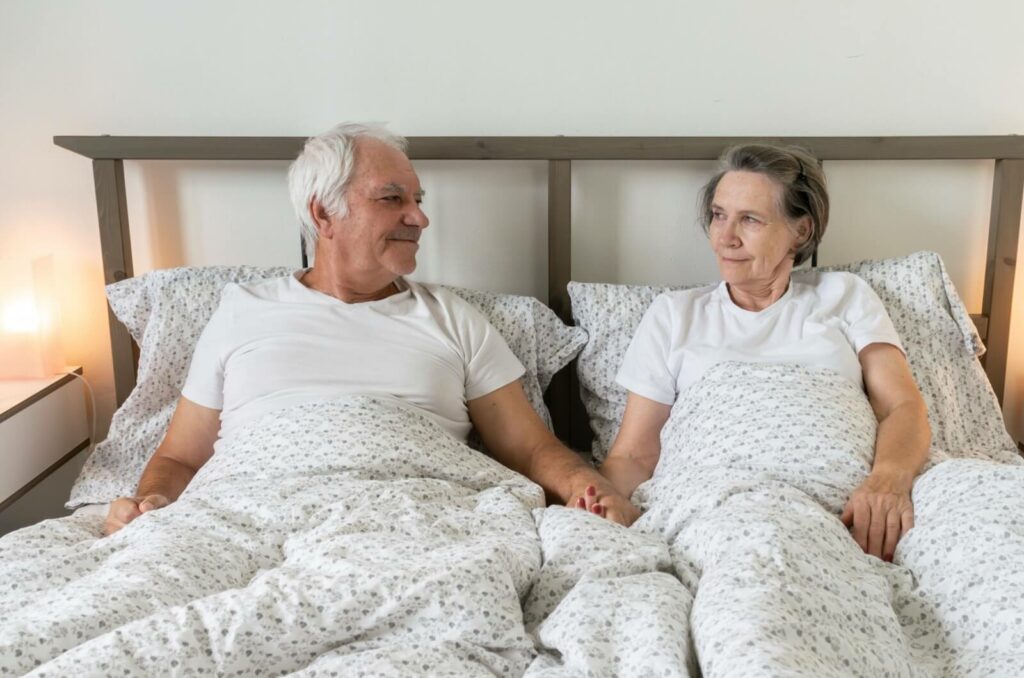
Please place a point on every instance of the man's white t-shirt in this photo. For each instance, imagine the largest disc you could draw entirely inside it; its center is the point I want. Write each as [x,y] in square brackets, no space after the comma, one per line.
[276,343]
[822,321]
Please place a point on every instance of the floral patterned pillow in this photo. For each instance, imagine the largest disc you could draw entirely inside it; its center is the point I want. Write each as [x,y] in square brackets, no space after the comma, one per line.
[941,342]
[165,311]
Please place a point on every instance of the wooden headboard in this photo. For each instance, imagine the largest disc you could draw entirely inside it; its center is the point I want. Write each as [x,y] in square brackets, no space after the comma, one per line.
[108,154]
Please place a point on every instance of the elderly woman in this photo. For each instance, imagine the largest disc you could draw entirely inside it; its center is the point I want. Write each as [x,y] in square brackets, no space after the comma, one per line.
[765,213]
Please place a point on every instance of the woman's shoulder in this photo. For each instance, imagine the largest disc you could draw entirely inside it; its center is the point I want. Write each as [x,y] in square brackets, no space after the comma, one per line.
[845,294]
[679,305]
[687,296]
[831,283]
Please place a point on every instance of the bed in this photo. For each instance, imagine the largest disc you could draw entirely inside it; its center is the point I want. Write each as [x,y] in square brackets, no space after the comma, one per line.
[347,553]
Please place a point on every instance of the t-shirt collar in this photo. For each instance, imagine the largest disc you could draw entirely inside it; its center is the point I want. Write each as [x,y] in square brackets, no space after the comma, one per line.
[727,301]
[309,294]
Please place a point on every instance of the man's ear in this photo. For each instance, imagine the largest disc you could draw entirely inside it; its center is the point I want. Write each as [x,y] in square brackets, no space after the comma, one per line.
[321,218]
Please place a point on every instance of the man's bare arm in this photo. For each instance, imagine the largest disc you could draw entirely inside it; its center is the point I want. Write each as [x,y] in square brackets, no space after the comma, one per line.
[187,445]
[516,436]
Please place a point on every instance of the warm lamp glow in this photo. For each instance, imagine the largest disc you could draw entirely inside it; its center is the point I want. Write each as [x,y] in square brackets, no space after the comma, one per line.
[29,320]
[20,316]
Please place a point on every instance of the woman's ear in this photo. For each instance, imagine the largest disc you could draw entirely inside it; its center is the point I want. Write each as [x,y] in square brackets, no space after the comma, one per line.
[803,229]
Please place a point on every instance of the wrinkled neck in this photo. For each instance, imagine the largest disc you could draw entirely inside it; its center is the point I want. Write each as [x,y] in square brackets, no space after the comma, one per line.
[758,297]
[348,291]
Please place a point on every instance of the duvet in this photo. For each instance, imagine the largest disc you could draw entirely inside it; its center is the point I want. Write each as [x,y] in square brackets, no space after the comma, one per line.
[757,463]
[351,536]
[355,537]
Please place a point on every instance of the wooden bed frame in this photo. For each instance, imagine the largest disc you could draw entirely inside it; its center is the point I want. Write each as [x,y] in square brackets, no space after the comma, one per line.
[108,154]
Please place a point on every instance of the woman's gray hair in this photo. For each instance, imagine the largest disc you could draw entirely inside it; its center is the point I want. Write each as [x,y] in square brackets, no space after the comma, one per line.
[800,179]
[323,171]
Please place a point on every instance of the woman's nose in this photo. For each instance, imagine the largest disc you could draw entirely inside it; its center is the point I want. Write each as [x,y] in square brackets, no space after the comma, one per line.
[726,235]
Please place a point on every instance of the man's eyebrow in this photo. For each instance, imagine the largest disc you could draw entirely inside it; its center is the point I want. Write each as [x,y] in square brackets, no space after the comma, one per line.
[393,187]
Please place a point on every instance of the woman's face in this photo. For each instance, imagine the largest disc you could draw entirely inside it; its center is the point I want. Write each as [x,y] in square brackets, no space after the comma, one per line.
[752,240]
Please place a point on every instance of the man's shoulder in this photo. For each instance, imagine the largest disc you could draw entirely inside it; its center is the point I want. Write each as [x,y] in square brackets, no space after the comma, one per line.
[455,314]
[277,288]
[440,295]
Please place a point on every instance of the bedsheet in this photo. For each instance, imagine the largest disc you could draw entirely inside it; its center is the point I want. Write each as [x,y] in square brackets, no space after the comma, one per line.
[757,462]
[352,536]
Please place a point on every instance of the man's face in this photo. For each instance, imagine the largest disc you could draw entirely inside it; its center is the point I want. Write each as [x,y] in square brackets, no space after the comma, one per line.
[378,238]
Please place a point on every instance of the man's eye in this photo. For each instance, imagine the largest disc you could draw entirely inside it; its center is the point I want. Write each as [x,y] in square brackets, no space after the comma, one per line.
[391,198]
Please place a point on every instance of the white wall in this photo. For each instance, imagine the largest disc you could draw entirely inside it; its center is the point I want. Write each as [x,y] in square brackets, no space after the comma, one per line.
[464,67]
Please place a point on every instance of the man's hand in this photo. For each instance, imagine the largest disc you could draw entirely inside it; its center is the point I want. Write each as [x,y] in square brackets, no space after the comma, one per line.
[187,445]
[516,437]
[605,501]
[124,510]
[879,512]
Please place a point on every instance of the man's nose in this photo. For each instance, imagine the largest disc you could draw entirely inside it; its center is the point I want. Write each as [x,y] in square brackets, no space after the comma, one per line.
[415,216]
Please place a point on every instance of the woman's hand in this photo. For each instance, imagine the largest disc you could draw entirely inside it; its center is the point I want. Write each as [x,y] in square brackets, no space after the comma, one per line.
[879,513]
[604,500]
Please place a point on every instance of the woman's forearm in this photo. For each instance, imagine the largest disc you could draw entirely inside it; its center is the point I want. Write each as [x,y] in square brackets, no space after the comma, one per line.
[901,445]
[625,473]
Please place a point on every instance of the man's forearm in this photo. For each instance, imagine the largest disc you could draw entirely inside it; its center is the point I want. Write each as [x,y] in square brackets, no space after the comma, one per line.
[559,471]
[166,477]
[901,446]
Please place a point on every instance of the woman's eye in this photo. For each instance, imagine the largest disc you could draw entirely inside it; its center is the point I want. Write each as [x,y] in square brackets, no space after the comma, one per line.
[751,220]
[718,216]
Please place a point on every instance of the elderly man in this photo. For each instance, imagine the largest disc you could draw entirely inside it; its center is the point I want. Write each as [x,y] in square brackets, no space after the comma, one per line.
[352,325]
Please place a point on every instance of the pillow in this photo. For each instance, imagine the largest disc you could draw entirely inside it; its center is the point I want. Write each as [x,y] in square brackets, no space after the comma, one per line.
[165,311]
[941,342]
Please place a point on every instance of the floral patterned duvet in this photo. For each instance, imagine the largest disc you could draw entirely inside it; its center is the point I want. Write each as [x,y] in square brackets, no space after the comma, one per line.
[355,537]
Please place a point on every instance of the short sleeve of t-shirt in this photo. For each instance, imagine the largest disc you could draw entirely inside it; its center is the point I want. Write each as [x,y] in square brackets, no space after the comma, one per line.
[645,368]
[867,321]
[490,363]
[205,382]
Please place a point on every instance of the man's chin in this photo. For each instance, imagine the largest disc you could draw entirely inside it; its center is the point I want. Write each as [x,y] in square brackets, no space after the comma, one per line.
[406,267]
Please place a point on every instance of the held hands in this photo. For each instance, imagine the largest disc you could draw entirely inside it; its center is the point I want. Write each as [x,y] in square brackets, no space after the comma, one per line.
[604,501]
[879,513]
[124,510]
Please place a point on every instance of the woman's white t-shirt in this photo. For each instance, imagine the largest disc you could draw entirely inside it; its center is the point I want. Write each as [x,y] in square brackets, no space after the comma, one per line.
[823,320]
[277,343]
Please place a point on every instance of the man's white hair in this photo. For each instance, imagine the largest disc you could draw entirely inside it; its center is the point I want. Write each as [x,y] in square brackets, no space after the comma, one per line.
[323,171]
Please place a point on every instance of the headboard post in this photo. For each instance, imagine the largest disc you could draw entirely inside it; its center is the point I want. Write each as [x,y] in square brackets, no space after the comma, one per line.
[560,237]
[1004,227]
[560,392]
[116,248]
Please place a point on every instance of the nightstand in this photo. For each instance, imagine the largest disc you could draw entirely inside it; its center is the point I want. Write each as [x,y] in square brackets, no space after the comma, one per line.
[42,425]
